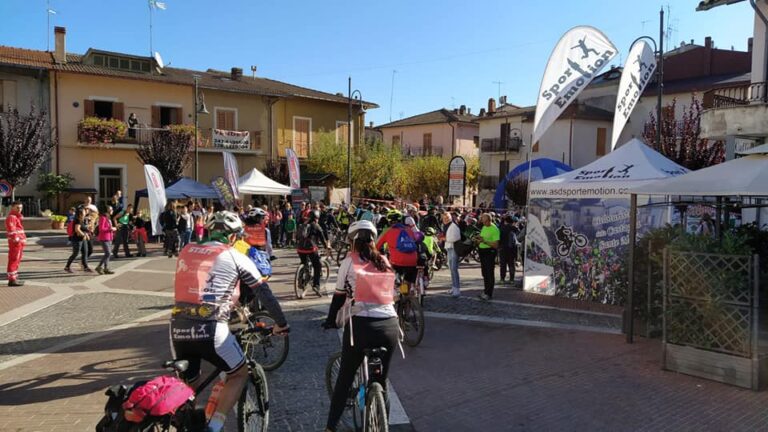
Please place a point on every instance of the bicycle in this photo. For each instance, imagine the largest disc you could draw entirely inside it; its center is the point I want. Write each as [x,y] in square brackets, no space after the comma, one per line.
[366,399]
[302,279]
[410,314]
[263,347]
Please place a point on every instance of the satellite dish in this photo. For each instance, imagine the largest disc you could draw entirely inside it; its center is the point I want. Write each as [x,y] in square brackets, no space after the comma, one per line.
[158,60]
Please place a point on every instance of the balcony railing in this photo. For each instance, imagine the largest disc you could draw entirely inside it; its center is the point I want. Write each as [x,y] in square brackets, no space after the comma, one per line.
[489,182]
[230,140]
[741,95]
[143,135]
[498,145]
[422,151]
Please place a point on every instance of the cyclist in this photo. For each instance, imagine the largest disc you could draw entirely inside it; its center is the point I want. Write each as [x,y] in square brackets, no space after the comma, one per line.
[259,238]
[430,243]
[309,235]
[370,320]
[400,241]
[207,277]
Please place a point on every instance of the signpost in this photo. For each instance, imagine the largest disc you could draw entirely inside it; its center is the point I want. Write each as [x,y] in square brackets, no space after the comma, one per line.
[6,189]
[457,177]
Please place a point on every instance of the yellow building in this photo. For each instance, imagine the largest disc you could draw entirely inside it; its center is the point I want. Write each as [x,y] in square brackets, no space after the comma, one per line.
[108,85]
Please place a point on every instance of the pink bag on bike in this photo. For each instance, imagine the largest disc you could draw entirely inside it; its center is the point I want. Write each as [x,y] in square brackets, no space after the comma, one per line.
[158,397]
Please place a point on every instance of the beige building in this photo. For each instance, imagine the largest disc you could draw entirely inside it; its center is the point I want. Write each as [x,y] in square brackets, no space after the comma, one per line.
[107,85]
[436,133]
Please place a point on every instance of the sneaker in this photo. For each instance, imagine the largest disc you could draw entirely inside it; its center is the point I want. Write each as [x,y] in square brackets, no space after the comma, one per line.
[99,270]
[114,256]
[68,270]
[108,271]
[484,296]
[129,256]
[88,270]
[15,283]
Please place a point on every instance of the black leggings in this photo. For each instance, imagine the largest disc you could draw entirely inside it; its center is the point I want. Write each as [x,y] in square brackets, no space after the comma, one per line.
[369,333]
[314,257]
[487,264]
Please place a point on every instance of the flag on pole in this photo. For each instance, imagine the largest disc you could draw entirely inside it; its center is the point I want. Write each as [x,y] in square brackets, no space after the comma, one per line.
[51,11]
[157,4]
[231,173]
[156,195]
[577,58]
[637,73]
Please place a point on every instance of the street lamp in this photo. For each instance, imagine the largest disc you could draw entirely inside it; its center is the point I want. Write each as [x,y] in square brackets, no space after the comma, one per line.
[199,109]
[359,97]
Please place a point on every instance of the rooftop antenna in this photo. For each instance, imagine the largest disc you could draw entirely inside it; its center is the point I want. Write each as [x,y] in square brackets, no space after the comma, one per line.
[392,95]
[453,102]
[253,71]
[499,83]
[48,13]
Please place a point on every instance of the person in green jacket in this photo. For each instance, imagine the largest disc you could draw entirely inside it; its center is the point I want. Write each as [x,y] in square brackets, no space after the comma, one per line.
[290,228]
[487,243]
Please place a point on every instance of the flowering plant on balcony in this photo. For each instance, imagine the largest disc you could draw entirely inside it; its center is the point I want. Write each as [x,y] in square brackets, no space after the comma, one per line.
[92,130]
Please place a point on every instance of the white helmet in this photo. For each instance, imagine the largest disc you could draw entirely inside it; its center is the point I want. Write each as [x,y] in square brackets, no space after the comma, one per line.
[225,222]
[255,216]
[362,225]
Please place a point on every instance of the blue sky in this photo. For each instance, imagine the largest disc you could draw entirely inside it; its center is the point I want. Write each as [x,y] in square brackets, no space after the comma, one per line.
[446,53]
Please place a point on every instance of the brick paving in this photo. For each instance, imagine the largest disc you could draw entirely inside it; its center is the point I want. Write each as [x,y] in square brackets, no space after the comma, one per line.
[489,377]
[15,297]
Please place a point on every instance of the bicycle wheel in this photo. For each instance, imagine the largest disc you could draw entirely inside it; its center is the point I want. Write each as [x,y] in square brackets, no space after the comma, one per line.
[300,280]
[411,318]
[253,405]
[341,254]
[326,269]
[332,373]
[376,410]
[268,351]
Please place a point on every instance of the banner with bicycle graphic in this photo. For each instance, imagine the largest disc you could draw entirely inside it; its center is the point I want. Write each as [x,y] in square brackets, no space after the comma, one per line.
[577,248]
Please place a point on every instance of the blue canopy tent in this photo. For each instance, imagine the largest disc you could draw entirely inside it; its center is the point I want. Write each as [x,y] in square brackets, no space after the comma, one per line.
[540,169]
[182,188]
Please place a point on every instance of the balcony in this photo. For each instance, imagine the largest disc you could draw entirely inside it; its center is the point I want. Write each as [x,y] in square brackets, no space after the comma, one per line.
[736,111]
[497,145]
[225,140]
[237,140]
[488,182]
[421,151]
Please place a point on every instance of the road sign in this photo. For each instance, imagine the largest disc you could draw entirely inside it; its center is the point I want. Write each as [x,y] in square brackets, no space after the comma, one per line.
[5,189]
[457,173]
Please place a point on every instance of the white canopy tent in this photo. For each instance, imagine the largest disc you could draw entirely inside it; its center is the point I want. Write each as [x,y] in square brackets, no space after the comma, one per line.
[256,183]
[630,165]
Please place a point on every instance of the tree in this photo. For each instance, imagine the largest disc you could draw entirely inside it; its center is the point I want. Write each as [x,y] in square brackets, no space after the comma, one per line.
[424,175]
[517,190]
[680,140]
[328,157]
[276,171]
[52,185]
[170,151]
[377,170]
[25,144]
[473,172]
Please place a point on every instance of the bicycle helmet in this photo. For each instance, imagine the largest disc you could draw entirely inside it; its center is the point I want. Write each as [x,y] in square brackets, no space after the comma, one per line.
[255,216]
[314,216]
[409,221]
[394,216]
[224,223]
[430,231]
[362,225]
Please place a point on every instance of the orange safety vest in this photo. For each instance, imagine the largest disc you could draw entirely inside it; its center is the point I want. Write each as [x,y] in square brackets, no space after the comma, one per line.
[256,235]
[193,272]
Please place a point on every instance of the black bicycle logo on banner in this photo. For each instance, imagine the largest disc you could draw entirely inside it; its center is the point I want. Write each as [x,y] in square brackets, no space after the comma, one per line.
[566,238]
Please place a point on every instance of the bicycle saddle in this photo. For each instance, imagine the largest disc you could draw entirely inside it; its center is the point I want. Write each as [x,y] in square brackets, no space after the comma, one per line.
[177,365]
[375,352]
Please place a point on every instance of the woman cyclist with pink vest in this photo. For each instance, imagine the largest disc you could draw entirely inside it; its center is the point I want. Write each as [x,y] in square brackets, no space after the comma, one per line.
[363,305]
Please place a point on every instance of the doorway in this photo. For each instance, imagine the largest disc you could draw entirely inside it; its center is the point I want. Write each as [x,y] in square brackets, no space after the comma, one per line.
[110,181]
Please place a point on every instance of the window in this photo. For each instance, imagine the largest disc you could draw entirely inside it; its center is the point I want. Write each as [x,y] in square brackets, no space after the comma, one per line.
[342,132]
[395,140]
[600,145]
[114,63]
[125,63]
[170,116]
[256,140]
[98,60]
[476,140]
[302,138]
[226,118]
[110,181]
[102,109]
[427,143]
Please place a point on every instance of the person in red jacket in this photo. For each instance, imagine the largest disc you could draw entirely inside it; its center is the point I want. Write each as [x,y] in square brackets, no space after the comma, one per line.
[16,240]
[401,243]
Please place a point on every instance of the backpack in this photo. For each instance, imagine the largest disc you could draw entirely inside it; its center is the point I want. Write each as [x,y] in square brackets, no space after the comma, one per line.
[70,228]
[304,237]
[405,243]
[157,397]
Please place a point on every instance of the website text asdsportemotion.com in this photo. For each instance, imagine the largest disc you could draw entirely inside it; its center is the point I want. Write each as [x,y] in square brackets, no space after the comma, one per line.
[567,193]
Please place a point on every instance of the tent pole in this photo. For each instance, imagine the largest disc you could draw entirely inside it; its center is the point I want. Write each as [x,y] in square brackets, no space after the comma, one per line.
[629,307]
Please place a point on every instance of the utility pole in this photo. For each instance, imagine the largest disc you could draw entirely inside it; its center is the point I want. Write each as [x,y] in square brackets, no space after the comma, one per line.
[392,94]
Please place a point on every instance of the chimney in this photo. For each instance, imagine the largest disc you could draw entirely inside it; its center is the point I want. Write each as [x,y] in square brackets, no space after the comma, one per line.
[482,112]
[60,55]
[469,111]
[502,101]
[370,125]
[750,41]
[491,106]
[236,74]
[463,109]
[708,42]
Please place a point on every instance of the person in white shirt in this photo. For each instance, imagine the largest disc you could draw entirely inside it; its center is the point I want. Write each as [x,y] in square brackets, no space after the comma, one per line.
[452,235]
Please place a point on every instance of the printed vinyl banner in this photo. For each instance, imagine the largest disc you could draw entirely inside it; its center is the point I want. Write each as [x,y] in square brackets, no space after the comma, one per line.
[231,139]
[293,169]
[457,172]
[222,188]
[231,173]
[577,58]
[156,195]
[638,72]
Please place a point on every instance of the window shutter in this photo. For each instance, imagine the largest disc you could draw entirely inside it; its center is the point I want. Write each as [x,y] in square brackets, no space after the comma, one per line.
[504,134]
[256,140]
[118,111]
[155,116]
[89,108]
[600,146]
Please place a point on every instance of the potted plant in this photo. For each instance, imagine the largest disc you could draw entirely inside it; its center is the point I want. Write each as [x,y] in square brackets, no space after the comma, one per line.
[58,221]
[95,131]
